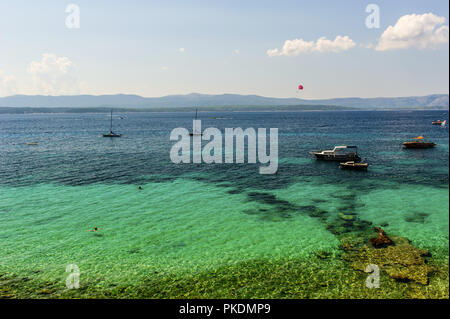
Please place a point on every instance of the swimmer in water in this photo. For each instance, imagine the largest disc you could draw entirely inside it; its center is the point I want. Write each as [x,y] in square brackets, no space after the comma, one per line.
[140,187]
[93,230]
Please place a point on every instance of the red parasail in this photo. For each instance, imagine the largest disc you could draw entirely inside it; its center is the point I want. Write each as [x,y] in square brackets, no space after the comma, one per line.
[300,87]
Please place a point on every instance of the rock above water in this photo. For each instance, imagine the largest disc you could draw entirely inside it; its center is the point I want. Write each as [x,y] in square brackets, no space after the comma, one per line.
[382,240]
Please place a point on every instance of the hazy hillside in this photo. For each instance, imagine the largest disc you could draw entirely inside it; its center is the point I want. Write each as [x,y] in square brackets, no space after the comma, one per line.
[201,100]
[230,108]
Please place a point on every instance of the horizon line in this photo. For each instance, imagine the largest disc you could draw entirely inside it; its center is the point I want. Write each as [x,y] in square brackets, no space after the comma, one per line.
[219,94]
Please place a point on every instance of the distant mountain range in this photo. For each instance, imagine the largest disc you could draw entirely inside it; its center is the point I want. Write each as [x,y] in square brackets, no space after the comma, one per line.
[205,100]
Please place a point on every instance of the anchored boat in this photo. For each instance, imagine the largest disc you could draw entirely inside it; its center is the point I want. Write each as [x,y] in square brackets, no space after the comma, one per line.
[354,166]
[195,133]
[418,143]
[341,153]
[111,133]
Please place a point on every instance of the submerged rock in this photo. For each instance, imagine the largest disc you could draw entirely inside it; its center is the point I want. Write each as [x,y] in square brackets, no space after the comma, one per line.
[337,229]
[362,225]
[318,213]
[322,254]
[416,217]
[347,217]
[417,273]
[401,260]
[46,291]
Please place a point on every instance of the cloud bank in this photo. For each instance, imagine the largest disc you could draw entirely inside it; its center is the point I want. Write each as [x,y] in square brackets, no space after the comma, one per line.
[8,85]
[413,30]
[53,75]
[299,46]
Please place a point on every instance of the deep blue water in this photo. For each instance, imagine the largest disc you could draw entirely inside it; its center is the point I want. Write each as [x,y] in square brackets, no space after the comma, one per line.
[72,151]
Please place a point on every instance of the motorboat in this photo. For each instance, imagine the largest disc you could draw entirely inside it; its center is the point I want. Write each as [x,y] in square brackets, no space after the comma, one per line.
[418,143]
[341,153]
[354,166]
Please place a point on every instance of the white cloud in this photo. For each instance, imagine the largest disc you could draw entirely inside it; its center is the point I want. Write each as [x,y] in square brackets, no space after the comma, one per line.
[367,46]
[53,75]
[181,50]
[164,68]
[236,51]
[8,85]
[299,46]
[414,30]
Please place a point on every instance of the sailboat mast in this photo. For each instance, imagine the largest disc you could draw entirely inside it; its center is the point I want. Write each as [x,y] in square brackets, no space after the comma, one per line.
[110,125]
[196,113]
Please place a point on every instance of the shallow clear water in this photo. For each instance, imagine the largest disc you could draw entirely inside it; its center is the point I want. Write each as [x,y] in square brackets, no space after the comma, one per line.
[195,217]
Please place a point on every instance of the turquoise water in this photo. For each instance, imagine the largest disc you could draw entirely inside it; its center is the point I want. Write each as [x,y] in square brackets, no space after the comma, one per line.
[164,227]
[196,218]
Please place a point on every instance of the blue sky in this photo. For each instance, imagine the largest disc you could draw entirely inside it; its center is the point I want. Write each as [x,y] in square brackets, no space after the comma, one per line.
[134,47]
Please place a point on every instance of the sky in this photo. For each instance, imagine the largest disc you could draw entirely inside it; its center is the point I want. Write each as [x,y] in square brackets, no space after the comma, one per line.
[157,48]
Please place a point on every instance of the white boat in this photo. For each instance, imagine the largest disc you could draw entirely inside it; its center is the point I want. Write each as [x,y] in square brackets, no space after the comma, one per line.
[341,153]
[354,166]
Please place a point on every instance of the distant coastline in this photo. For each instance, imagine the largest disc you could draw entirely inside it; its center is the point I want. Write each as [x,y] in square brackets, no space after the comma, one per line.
[220,102]
[242,108]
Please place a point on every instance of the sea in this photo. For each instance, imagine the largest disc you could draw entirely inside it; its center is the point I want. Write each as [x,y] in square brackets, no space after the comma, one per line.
[195,224]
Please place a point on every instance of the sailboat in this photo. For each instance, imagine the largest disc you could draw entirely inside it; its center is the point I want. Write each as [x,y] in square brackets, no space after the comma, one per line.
[111,133]
[196,133]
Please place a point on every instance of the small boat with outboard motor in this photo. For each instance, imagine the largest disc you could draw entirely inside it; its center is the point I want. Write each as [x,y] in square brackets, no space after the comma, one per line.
[354,166]
[418,143]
